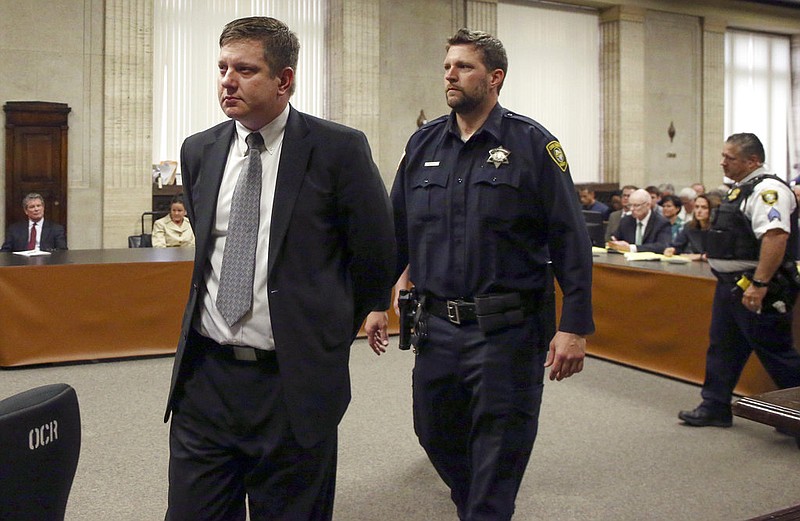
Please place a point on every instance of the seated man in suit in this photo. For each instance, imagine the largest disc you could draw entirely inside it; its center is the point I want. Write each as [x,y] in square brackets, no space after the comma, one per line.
[35,233]
[643,230]
[615,216]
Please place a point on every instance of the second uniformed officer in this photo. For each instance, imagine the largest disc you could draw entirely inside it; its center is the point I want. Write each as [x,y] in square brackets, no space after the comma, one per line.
[751,249]
[484,205]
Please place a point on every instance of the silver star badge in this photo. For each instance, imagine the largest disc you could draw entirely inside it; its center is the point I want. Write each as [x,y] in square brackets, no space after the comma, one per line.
[498,156]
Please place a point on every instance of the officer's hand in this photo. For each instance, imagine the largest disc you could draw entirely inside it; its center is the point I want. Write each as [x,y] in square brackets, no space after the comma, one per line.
[566,354]
[753,298]
[377,327]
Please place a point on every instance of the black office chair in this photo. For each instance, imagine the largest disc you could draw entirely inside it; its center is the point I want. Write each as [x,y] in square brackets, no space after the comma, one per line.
[595,226]
[40,441]
[144,240]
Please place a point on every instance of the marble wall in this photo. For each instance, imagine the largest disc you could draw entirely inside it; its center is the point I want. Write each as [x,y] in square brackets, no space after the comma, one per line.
[661,61]
[52,50]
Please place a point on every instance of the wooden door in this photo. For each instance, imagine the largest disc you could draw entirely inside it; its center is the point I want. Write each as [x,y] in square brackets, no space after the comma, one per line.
[36,157]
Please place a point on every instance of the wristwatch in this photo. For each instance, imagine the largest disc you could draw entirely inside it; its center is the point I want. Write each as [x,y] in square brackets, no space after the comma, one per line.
[759,283]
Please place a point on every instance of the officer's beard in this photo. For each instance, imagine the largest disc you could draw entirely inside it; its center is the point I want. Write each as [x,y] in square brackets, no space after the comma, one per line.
[469,101]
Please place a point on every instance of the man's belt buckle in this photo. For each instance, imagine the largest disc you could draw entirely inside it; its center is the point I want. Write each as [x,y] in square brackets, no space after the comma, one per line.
[452,312]
[244,354]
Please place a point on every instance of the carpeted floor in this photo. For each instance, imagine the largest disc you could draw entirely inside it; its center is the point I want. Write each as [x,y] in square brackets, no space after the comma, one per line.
[610,447]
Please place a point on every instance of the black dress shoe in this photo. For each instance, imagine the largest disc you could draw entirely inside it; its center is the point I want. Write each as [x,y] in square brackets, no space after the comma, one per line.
[704,417]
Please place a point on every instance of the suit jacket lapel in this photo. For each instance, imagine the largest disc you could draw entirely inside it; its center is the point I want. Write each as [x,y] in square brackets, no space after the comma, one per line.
[648,230]
[295,153]
[205,189]
[45,232]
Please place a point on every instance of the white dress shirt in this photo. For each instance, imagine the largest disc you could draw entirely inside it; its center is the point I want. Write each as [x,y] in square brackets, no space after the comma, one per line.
[255,328]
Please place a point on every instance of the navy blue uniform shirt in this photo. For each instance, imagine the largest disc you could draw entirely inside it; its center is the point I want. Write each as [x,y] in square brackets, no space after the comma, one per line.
[488,215]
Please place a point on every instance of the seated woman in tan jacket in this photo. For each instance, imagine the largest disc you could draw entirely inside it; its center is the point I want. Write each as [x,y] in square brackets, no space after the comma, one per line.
[173,230]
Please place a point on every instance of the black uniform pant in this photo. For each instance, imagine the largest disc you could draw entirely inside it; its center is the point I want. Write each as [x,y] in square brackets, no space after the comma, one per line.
[735,333]
[476,411]
[230,439]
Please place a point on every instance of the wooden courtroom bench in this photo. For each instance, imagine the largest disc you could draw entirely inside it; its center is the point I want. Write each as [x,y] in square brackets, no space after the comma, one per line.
[780,409]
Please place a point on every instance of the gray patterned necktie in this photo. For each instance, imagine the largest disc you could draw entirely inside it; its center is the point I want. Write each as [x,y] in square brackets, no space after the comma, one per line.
[235,294]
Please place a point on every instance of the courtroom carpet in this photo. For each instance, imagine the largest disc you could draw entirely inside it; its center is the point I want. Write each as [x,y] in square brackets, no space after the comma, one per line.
[610,447]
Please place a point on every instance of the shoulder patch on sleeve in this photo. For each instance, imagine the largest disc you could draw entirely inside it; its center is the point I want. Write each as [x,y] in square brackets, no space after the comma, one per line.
[557,155]
[769,197]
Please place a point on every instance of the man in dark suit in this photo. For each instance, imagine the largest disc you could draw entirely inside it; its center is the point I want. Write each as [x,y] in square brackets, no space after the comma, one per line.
[35,233]
[256,400]
[616,216]
[643,229]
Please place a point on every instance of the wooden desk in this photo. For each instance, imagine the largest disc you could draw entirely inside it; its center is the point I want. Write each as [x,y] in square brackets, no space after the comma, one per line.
[655,316]
[92,304]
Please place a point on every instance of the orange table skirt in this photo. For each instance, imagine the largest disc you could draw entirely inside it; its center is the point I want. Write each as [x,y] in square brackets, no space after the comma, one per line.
[655,316]
[85,311]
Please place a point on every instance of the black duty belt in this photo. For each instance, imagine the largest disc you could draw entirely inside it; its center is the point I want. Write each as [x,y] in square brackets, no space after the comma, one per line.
[491,312]
[730,277]
[459,311]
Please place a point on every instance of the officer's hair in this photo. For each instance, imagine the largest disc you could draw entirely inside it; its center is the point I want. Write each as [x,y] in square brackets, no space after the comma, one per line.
[31,197]
[749,145]
[494,54]
[281,46]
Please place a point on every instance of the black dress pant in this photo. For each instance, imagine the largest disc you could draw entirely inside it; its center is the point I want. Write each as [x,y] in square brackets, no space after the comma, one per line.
[735,333]
[231,443]
[476,411]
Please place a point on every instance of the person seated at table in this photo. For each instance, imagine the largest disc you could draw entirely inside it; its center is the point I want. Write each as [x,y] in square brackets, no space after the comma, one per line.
[692,239]
[173,230]
[615,216]
[699,188]
[687,196]
[671,210]
[615,203]
[655,197]
[35,233]
[589,203]
[643,229]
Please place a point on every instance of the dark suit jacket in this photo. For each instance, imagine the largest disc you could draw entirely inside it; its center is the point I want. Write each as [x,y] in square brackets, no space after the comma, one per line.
[53,237]
[657,234]
[613,223]
[331,257]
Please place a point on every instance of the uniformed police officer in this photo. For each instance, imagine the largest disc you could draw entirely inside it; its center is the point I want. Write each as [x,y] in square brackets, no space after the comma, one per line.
[484,205]
[751,250]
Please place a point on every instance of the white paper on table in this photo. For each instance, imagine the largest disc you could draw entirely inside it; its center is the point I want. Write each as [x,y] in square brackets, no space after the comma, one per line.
[31,253]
